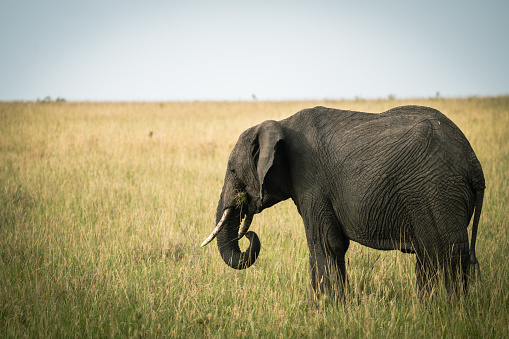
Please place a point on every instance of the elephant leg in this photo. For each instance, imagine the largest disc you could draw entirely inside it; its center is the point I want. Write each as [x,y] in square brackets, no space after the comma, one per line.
[327,273]
[426,274]
[449,263]
[427,243]
[327,248]
[456,268]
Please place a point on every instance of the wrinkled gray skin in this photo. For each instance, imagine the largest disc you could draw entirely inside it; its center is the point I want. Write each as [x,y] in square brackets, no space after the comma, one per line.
[406,179]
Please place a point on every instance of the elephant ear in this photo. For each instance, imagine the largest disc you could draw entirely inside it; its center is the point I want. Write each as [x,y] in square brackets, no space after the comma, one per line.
[265,151]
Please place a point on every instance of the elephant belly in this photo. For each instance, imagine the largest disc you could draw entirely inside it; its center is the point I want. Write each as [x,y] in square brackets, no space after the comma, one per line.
[409,220]
[382,237]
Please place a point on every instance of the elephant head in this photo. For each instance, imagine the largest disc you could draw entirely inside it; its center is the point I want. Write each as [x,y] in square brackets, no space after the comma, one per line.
[253,182]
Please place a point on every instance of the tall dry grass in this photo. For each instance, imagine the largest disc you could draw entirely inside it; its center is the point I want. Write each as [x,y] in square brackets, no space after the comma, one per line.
[103,207]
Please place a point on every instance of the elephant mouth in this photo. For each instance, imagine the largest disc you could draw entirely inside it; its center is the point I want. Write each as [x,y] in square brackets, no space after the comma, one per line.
[242,202]
[246,217]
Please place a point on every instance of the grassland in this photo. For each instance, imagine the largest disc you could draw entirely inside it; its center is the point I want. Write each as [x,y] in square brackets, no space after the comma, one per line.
[103,207]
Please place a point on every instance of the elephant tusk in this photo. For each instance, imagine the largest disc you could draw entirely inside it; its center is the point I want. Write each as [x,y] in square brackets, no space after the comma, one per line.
[218,228]
[245,225]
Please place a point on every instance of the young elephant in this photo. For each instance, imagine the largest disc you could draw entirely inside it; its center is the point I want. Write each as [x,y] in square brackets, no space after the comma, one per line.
[406,179]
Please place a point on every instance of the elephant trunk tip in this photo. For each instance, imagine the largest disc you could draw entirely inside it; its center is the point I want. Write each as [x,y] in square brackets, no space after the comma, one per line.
[245,259]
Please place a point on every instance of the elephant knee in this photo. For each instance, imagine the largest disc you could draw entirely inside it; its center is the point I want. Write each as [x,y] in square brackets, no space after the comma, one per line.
[337,242]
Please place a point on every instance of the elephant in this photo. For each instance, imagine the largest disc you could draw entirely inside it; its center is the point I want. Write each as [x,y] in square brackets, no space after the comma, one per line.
[406,179]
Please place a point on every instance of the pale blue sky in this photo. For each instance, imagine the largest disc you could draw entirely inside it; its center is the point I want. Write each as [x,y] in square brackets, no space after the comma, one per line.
[230,50]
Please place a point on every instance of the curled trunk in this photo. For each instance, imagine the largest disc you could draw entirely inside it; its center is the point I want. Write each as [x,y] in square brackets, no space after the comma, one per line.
[228,242]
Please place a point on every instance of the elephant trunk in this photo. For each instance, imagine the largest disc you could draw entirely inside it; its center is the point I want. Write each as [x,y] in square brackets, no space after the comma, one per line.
[228,240]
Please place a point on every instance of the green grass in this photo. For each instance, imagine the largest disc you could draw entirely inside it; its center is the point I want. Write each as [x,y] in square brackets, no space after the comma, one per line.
[103,207]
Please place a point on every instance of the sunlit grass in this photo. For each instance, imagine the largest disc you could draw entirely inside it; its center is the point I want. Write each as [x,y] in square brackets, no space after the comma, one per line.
[103,207]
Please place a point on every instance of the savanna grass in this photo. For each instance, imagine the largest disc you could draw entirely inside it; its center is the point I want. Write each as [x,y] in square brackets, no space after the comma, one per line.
[103,207]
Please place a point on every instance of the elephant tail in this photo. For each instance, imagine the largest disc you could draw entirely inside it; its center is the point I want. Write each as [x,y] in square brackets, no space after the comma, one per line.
[474,264]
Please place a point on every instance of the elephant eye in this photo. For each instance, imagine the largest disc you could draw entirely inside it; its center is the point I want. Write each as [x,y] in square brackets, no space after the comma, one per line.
[233,172]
